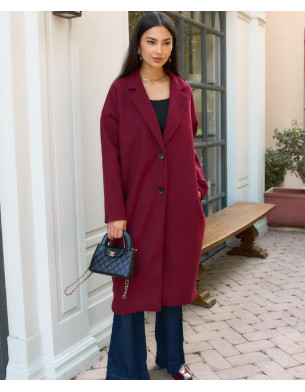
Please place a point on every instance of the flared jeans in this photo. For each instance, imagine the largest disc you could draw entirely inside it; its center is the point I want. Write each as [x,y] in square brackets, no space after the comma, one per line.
[127,352]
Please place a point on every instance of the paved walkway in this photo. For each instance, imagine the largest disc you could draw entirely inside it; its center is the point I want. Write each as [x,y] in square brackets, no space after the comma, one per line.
[256,330]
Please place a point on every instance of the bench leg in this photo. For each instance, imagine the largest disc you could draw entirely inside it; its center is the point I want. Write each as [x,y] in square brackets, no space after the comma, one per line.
[203,298]
[247,247]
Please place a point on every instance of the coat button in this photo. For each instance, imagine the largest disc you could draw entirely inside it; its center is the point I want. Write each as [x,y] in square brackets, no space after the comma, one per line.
[161,191]
[161,155]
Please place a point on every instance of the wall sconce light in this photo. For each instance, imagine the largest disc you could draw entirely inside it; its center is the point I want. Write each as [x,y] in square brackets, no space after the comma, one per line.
[68,14]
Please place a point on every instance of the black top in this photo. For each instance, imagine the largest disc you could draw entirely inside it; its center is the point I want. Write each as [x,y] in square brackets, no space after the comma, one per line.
[161,109]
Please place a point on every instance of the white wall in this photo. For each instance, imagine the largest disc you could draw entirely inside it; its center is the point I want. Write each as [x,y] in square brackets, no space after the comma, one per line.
[103,39]
[55,75]
[246,107]
[55,79]
[285,69]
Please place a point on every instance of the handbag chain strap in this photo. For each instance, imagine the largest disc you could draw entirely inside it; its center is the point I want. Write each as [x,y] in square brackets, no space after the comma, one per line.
[126,288]
[80,282]
[72,284]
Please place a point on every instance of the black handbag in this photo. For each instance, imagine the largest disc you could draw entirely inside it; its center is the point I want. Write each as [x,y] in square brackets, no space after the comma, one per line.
[112,261]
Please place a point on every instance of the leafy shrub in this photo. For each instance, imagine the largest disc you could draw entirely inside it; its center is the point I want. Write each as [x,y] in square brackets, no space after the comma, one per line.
[291,142]
[275,168]
[289,156]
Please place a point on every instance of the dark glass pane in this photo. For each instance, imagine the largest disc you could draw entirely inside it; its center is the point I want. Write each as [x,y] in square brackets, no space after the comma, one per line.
[213,59]
[197,94]
[214,207]
[192,53]
[200,152]
[217,21]
[213,115]
[176,22]
[214,176]
[133,18]
[187,13]
[208,18]
[198,16]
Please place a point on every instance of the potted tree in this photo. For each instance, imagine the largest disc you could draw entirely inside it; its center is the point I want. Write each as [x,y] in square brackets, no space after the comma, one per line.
[289,156]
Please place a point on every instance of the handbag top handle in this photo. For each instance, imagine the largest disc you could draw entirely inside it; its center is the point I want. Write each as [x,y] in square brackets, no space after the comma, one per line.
[125,235]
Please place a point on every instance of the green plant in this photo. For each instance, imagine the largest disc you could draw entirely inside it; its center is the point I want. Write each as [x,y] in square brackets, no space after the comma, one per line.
[289,156]
[275,168]
[291,142]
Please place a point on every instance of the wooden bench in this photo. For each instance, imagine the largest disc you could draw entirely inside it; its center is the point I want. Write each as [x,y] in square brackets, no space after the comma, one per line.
[237,220]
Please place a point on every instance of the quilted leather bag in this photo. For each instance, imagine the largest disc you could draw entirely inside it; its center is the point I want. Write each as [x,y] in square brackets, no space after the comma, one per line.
[118,262]
[113,261]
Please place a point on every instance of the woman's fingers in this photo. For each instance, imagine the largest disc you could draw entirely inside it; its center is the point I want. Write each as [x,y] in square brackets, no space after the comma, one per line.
[115,229]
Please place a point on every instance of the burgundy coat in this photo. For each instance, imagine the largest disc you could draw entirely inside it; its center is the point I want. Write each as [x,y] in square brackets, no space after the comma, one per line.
[152,181]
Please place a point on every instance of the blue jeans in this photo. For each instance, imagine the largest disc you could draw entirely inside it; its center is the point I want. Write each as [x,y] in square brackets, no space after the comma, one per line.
[127,353]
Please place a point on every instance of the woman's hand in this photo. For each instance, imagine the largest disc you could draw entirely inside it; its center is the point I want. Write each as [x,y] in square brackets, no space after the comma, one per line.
[199,195]
[115,229]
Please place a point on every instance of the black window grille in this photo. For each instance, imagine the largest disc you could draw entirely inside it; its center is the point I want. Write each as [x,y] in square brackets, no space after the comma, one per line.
[202,54]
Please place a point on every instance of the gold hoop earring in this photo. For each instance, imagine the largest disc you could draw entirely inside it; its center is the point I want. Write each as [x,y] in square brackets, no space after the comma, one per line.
[169,60]
[139,53]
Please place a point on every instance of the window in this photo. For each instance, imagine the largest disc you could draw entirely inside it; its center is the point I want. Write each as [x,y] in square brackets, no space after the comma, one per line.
[201,44]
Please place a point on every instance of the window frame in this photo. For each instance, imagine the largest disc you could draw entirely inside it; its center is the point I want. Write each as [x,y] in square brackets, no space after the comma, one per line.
[205,87]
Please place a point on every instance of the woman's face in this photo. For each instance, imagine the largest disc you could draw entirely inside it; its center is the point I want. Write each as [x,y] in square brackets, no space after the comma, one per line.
[156,45]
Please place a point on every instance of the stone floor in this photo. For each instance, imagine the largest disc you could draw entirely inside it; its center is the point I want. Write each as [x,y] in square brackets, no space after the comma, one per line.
[256,330]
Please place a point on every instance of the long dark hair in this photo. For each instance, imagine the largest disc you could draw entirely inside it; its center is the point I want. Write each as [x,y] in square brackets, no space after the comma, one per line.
[149,20]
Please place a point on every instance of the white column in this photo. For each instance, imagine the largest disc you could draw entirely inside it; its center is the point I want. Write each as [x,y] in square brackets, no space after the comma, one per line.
[42,202]
[231,107]
[246,107]
[257,106]
[24,341]
[257,112]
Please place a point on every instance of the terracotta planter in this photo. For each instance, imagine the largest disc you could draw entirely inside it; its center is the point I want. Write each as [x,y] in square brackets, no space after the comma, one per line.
[290,206]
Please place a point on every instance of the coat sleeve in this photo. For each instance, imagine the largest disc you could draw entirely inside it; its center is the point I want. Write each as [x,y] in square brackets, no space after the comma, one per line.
[112,174]
[202,184]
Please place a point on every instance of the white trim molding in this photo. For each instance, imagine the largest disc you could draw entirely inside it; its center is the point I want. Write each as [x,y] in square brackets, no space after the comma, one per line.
[246,106]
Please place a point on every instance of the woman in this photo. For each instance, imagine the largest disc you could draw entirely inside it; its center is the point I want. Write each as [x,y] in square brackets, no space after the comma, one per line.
[153,184]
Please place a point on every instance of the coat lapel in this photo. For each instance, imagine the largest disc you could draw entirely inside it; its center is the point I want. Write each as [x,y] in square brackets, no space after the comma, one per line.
[177,102]
[144,106]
